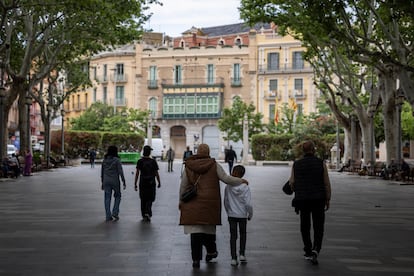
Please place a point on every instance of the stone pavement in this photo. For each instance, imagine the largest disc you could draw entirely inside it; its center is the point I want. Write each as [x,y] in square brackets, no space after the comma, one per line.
[52,223]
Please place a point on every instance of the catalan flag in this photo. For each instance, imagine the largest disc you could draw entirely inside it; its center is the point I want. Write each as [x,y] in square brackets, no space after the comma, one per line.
[293,104]
[276,111]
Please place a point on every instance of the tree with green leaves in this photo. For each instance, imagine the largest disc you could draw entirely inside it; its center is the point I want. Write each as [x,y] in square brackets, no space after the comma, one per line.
[370,36]
[231,122]
[101,117]
[42,38]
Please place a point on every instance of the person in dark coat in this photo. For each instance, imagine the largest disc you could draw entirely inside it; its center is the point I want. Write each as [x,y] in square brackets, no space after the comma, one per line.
[147,172]
[111,171]
[230,157]
[310,181]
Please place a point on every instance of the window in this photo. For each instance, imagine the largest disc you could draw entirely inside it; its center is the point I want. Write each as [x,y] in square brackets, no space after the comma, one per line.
[86,101]
[207,104]
[153,77]
[95,73]
[300,109]
[153,103]
[298,85]
[271,112]
[177,74]
[105,72]
[297,60]
[221,42]
[272,85]
[119,72]
[236,75]
[190,106]
[210,74]
[120,97]
[238,41]
[272,61]
[105,95]
[94,94]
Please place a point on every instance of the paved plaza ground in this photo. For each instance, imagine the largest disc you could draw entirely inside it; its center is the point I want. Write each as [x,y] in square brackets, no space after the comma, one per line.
[52,223]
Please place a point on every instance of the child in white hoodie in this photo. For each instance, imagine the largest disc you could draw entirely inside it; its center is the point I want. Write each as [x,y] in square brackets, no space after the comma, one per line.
[237,202]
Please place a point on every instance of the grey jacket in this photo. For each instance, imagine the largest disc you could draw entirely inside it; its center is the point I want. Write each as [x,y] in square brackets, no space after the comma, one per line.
[111,170]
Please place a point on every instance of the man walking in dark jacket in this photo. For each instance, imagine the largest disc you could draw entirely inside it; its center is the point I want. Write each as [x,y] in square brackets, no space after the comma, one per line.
[310,181]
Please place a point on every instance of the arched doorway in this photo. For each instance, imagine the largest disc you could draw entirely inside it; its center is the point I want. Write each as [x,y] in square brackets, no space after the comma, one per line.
[178,140]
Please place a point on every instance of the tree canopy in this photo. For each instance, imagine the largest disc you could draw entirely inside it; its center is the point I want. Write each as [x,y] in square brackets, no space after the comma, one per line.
[232,120]
[40,37]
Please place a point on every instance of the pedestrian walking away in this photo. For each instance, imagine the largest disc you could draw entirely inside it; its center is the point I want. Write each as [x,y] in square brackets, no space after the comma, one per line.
[147,173]
[111,171]
[230,157]
[187,153]
[237,202]
[92,157]
[200,215]
[310,182]
[170,159]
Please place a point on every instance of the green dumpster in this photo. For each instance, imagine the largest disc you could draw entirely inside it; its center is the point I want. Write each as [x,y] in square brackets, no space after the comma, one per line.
[129,157]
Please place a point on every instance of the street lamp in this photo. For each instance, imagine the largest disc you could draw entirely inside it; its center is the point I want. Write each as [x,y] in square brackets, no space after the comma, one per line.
[49,112]
[62,113]
[371,115]
[115,80]
[399,100]
[28,103]
[2,95]
[245,139]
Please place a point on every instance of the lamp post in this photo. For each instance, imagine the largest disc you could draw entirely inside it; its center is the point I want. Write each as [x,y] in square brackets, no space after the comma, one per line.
[2,95]
[399,102]
[49,112]
[115,79]
[29,138]
[371,115]
[245,139]
[62,113]
[149,130]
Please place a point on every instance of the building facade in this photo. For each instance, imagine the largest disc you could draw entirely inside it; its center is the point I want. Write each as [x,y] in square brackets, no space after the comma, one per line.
[187,81]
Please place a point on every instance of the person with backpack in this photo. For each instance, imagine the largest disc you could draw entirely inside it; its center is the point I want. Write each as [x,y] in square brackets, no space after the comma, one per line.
[147,171]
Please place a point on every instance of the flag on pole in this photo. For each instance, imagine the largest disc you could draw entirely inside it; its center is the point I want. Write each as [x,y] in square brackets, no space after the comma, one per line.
[293,104]
[276,111]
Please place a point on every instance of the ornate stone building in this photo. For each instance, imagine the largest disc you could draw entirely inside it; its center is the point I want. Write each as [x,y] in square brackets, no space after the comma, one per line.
[187,81]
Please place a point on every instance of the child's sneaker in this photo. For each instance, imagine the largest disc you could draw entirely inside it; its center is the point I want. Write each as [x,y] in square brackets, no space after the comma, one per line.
[234,262]
[243,259]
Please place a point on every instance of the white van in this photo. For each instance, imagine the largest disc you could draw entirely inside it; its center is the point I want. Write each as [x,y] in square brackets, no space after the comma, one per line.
[158,147]
[10,150]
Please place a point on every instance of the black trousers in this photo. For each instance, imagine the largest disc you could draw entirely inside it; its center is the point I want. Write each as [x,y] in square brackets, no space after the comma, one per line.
[241,223]
[312,212]
[197,242]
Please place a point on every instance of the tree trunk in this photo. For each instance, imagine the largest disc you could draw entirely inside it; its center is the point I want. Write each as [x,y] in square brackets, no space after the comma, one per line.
[388,93]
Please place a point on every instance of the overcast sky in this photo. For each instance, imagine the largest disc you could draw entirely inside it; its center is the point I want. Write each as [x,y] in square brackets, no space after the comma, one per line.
[177,16]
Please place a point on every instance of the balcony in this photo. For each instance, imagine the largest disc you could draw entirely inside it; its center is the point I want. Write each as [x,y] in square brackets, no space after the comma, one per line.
[119,102]
[192,83]
[273,95]
[299,94]
[285,68]
[152,84]
[119,78]
[236,82]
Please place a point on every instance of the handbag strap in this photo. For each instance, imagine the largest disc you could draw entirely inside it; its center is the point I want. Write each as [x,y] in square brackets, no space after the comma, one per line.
[196,182]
